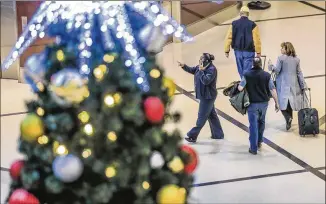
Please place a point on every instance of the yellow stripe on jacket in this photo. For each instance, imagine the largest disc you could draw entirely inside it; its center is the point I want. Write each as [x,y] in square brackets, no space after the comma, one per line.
[256,38]
[228,40]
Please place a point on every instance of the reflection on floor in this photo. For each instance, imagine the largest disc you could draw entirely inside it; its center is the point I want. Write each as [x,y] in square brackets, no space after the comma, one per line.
[287,168]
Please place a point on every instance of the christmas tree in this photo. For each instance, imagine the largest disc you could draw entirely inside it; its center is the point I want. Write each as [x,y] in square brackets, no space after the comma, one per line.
[96,133]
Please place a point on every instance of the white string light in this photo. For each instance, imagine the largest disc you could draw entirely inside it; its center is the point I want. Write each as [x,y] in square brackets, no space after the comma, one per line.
[114,21]
[85,44]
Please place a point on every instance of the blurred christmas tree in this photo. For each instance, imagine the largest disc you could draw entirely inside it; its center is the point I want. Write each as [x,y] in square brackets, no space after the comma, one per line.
[95,134]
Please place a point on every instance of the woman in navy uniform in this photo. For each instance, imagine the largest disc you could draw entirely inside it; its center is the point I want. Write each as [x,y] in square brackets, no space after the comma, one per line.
[205,77]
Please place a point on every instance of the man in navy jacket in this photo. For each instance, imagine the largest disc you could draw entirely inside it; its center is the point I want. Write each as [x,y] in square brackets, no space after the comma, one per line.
[243,36]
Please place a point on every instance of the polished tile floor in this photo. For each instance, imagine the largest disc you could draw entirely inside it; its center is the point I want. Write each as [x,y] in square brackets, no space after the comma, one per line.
[289,169]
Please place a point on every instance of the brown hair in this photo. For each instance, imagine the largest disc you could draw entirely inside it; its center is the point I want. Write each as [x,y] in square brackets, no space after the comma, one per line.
[289,49]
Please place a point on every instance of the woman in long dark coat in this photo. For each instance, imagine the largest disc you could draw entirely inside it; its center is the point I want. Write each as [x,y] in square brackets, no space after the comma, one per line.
[290,84]
[205,77]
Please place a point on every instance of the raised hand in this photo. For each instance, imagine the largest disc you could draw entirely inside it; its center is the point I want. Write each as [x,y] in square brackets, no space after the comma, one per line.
[180,64]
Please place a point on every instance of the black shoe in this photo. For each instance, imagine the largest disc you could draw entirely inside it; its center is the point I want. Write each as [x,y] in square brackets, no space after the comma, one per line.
[252,152]
[288,124]
[190,139]
[260,145]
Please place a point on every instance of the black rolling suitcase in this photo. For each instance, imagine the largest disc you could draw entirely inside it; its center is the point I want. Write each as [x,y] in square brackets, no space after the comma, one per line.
[308,120]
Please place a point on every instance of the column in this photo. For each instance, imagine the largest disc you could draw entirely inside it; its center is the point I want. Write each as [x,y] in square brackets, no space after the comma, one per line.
[176,14]
[8,37]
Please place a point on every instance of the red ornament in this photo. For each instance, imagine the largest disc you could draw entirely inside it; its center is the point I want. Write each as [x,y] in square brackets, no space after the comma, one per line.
[16,168]
[193,159]
[21,196]
[154,109]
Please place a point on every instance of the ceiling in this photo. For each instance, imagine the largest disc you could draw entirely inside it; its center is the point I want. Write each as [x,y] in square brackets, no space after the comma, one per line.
[193,11]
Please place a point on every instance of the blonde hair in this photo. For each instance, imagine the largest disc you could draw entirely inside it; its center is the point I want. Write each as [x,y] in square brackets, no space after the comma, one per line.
[244,11]
[289,49]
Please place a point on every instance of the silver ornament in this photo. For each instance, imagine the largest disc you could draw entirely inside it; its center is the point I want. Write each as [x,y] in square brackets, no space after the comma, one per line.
[156,160]
[67,168]
[68,87]
[152,38]
[34,69]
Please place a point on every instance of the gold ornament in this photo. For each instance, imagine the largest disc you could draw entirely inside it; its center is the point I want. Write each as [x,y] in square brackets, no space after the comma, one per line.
[83,117]
[31,127]
[176,165]
[40,111]
[146,185]
[112,136]
[43,140]
[110,172]
[60,55]
[108,58]
[170,85]
[171,194]
[103,67]
[155,73]
[98,73]
[86,153]
[117,98]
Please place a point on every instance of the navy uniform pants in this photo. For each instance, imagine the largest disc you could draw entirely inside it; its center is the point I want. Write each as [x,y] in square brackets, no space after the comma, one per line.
[207,112]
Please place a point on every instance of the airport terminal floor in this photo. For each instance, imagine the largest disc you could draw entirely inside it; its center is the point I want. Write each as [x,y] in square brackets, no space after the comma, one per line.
[288,169]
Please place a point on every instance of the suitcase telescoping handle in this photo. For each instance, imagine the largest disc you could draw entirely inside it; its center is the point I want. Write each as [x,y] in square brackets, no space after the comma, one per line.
[262,56]
[303,97]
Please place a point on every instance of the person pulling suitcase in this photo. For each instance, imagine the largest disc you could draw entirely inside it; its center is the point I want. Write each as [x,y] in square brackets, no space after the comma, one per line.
[289,81]
[308,119]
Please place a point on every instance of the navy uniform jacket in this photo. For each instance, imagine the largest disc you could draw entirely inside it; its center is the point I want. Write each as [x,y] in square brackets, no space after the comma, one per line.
[205,81]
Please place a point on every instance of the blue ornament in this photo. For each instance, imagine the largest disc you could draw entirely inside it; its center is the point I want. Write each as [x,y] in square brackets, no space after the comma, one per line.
[67,168]
[68,87]
[34,70]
